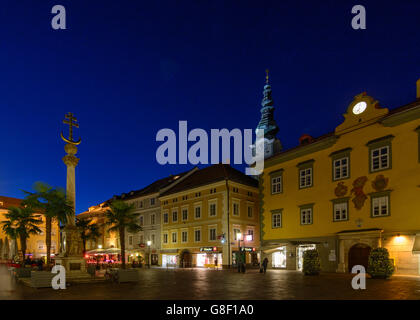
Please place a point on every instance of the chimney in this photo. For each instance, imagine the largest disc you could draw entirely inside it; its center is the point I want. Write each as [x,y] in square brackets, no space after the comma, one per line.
[418,89]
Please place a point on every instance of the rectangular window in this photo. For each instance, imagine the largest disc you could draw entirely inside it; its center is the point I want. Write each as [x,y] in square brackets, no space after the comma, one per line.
[380,206]
[141,220]
[153,239]
[141,204]
[235,233]
[250,236]
[174,216]
[276,185]
[130,240]
[152,219]
[212,209]
[341,211]
[184,214]
[212,234]
[142,238]
[174,237]
[341,168]
[380,158]
[165,217]
[197,212]
[305,178]
[184,236]
[235,208]
[197,235]
[152,201]
[165,238]
[276,220]
[250,212]
[306,216]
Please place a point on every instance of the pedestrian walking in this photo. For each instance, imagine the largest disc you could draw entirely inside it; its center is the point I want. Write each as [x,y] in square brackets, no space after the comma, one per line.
[264,264]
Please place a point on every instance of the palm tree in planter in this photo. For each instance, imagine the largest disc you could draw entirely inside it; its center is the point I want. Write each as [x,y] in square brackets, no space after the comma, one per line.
[88,231]
[119,218]
[20,223]
[52,203]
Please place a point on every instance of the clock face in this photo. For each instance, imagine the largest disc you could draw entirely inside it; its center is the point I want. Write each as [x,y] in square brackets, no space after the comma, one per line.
[359,107]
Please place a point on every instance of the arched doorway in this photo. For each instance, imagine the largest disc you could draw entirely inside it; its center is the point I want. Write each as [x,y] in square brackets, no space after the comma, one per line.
[359,255]
[186,259]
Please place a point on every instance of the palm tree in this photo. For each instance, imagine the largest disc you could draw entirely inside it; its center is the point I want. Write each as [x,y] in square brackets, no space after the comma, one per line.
[119,219]
[20,223]
[88,231]
[52,203]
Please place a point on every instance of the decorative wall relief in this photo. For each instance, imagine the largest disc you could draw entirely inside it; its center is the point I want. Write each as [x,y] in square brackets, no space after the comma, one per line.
[340,190]
[359,196]
[380,183]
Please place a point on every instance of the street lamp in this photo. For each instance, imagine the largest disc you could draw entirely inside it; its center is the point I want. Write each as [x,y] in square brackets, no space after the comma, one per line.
[149,243]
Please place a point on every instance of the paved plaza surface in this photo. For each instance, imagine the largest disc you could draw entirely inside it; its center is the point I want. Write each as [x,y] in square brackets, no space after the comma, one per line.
[222,284]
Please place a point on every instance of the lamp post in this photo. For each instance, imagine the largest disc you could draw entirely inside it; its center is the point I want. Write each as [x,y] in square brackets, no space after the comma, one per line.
[239,236]
[149,243]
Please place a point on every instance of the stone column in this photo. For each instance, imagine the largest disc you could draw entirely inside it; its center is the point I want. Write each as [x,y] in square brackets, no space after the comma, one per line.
[71,161]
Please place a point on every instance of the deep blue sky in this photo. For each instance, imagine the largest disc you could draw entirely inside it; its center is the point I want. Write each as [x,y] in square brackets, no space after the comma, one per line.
[129,68]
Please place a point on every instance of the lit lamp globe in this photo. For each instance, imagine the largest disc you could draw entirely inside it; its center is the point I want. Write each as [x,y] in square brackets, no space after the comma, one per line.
[239,236]
[149,243]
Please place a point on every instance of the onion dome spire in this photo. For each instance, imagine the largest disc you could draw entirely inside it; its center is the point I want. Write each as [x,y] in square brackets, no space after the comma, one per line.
[267,122]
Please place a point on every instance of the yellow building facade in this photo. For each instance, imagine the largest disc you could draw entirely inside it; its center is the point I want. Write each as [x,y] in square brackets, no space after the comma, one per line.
[347,192]
[36,246]
[208,218]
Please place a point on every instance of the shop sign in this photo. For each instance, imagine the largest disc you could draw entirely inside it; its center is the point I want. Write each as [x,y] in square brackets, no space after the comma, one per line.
[208,249]
[248,249]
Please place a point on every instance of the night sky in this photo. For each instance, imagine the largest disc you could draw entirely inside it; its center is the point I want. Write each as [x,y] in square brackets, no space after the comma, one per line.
[127,69]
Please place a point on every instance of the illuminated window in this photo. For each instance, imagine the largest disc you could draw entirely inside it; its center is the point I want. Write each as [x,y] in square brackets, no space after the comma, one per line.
[235,233]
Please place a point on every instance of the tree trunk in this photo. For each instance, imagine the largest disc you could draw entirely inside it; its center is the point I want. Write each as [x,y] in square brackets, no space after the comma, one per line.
[48,224]
[122,242]
[23,249]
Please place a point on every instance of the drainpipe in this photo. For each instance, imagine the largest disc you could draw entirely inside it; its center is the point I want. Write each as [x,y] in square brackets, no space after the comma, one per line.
[228,206]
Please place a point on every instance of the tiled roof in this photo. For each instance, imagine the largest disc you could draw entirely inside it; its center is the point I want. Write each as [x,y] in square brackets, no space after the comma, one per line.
[7,202]
[211,174]
[154,187]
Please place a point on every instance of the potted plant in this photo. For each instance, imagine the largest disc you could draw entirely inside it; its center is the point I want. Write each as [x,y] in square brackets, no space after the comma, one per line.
[311,262]
[379,264]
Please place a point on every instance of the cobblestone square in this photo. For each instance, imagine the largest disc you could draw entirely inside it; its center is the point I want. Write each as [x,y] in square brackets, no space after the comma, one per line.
[202,284]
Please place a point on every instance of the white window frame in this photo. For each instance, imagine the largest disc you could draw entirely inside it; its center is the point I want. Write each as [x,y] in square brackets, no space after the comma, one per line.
[277,184]
[184,231]
[177,216]
[176,236]
[211,203]
[182,213]
[379,157]
[153,219]
[308,172]
[236,202]
[201,235]
[381,202]
[163,217]
[215,233]
[167,238]
[340,168]
[276,220]
[235,231]
[340,206]
[305,213]
[201,211]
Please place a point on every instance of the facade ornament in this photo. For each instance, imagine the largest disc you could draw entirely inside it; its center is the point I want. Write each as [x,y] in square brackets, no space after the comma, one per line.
[360,197]
[380,183]
[341,190]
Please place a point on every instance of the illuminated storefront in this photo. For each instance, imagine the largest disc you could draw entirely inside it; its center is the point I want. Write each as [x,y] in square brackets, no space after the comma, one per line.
[278,259]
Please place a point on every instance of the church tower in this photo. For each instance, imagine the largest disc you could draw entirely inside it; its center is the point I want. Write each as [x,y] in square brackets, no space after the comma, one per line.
[272,144]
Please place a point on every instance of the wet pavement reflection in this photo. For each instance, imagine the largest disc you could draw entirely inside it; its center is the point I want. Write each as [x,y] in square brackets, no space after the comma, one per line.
[221,284]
